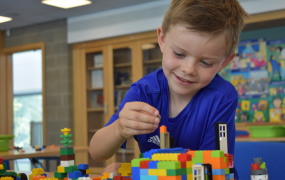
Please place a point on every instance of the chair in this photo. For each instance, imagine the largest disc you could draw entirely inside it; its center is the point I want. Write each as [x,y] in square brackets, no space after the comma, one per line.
[272,153]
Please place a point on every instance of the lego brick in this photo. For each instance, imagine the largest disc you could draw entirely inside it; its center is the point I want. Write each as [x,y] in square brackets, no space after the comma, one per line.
[126,169]
[1,160]
[184,157]
[175,172]
[66,151]
[144,177]
[83,166]
[152,164]
[67,163]
[169,178]
[168,165]
[67,157]
[217,153]
[219,177]
[74,175]
[143,172]
[136,162]
[144,164]
[135,173]
[60,169]
[59,175]
[218,171]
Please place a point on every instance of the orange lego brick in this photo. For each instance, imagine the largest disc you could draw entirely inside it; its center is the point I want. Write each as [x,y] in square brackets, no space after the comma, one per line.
[207,158]
[169,178]
[163,129]
[219,177]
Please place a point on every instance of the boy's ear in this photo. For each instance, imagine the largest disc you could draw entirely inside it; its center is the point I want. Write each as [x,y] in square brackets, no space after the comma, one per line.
[160,38]
[227,61]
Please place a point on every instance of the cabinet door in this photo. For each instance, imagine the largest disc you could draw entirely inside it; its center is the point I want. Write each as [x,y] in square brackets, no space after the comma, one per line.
[152,56]
[95,95]
[123,78]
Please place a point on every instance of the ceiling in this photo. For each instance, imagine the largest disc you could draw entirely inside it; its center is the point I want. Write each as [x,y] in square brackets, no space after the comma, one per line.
[29,12]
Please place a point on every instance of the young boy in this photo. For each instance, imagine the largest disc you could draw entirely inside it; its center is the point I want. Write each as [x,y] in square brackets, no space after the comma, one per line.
[198,39]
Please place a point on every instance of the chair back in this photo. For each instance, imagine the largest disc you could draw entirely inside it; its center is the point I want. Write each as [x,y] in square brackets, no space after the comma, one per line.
[272,153]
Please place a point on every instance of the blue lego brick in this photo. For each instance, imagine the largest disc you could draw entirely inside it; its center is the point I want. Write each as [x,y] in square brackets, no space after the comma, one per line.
[135,173]
[149,153]
[75,175]
[83,166]
[184,177]
[232,176]
[218,171]
[143,172]
[146,177]
[152,164]
[227,176]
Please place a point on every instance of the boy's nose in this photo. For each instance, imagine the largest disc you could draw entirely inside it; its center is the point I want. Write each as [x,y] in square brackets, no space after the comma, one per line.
[189,67]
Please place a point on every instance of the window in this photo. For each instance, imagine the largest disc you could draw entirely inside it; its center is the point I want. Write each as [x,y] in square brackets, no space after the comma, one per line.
[27,99]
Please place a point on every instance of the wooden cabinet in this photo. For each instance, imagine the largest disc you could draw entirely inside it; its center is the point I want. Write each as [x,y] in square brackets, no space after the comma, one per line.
[103,72]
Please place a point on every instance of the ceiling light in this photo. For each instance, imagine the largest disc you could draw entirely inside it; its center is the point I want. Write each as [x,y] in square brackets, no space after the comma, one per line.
[66,3]
[5,19]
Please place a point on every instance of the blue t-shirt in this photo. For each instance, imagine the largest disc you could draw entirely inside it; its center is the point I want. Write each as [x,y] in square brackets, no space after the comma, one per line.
[194,127]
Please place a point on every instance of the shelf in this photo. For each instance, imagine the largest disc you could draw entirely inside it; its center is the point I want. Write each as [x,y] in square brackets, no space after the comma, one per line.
[126,151]
[125,86]
[95,68]
[248,139]
[95,109]
[122,65]
[95,89]
[154,61]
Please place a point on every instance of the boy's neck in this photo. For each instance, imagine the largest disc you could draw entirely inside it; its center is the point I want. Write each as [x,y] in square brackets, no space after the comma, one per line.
[177,104]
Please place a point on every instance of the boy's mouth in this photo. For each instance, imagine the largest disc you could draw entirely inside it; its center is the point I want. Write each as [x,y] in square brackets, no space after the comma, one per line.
[183,80]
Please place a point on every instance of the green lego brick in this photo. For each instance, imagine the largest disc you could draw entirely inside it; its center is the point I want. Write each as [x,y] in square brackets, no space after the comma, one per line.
[263,166]
[4,169]
[176,172]
[136,162]
[141,155]
[217,153]
[188,170]
[70,169]
[168,165]
[66,151]
[10,173]
[227,170]
[60,175]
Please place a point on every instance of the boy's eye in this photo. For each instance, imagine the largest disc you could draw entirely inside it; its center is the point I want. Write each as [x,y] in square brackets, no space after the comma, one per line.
[180,55]
[205,63]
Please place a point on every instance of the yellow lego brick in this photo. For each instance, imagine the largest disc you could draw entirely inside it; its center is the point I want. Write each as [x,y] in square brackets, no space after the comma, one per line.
[60,169]
[1,166]
[125,169]
[38,171]
[161,172]
[152,172]
[173,156]
[189,176]
[6,178]
[189,164]
[31,176]
[88,171]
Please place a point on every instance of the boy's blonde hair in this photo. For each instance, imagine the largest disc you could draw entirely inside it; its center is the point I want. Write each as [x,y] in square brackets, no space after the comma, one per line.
[210,16]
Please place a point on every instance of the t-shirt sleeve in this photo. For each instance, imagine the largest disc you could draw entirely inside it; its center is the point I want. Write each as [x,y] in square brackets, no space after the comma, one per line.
[225,113]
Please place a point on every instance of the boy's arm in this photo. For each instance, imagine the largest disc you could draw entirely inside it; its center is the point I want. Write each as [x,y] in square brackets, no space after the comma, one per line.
[106,142]
[134,119]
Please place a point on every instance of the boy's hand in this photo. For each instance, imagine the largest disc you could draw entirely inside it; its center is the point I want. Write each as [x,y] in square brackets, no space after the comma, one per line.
[112,168]
[137,118]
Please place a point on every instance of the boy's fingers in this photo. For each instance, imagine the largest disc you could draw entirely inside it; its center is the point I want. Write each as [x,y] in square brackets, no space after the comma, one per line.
[141,106]
[139,125]
[140,116]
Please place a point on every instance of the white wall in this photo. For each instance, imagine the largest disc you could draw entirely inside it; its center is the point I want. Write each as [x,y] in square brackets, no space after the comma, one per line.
[140,18]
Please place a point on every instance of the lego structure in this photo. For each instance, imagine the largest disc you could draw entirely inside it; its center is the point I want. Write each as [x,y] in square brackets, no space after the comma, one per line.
[157,164]
[258,170]
[10,175]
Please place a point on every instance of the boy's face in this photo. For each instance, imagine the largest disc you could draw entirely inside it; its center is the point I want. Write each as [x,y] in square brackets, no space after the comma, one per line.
[191,59]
